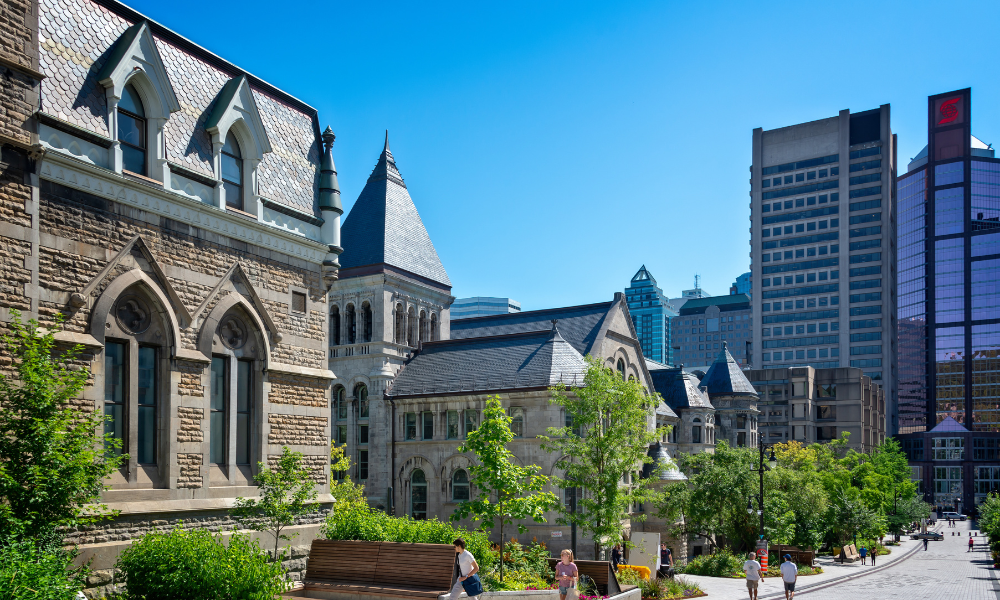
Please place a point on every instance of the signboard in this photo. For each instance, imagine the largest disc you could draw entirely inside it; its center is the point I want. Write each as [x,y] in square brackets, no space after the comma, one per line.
[762,554]
[645,550]
[557,534]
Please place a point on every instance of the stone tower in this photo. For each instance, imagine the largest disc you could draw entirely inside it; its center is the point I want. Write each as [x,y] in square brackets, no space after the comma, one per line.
[734,398]
[392,295]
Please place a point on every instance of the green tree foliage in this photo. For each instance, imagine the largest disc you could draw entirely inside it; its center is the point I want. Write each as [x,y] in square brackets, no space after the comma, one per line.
[285,493]
[51,461]
[506,492]
[196,565]
[821,493]
[344,491]
[608,439]
[31,572]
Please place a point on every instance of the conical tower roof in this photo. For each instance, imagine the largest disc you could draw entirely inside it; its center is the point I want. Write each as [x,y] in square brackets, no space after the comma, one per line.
[725,378]
[385,229]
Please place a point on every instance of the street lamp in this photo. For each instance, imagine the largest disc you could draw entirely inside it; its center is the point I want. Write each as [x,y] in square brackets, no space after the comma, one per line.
[772,462]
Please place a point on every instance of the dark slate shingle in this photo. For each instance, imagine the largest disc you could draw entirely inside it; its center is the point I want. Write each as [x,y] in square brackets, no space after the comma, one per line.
[726,378]
[579,325]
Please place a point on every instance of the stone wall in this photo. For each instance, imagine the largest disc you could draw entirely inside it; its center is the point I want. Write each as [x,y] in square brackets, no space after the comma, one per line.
[189,470]
[302,391]
[297,430]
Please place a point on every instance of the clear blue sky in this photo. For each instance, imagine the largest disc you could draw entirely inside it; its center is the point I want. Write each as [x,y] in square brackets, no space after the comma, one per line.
[554,147]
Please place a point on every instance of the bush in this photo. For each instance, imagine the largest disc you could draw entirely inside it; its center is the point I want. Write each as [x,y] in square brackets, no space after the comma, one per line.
[196,565]
[641,571]
[28,572]
[720,564]
[358,521]
[513,579]
[659,588]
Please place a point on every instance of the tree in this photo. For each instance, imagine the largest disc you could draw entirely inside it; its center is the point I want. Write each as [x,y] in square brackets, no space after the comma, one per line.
[505,492]
[607,443]
[344,491]
[285,493]
[52,462]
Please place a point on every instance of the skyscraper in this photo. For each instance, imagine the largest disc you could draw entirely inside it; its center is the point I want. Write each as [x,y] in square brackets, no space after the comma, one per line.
[652,316]
[949,308]
[741,285]
[481,306]
[823,245]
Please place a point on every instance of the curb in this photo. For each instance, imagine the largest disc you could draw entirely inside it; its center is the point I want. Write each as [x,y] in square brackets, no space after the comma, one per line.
[831,582]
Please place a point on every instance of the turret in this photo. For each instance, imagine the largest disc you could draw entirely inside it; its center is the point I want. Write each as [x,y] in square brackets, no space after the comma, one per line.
[330,206]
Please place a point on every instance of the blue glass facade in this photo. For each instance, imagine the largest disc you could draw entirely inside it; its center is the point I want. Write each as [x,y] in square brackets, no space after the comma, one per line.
[652,316]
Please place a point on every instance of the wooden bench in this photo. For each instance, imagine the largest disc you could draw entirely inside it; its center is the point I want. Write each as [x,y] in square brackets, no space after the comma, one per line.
[802,557]
[598,570]
[849,553]
[380,568]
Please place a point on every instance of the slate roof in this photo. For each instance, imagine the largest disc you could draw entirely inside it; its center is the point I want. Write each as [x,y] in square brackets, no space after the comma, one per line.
[725,378]
[949,424]
[579,325]
[679,388]
[384,227]
[661,467]
[77,37]
[524,360]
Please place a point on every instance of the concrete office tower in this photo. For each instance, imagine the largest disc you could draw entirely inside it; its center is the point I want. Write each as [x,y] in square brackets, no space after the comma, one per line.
[823,245]
[652,315]
[483,306]
[705,325]
[949,309]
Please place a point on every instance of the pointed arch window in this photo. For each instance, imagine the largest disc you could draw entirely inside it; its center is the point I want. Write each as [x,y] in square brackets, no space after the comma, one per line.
[434,327]
[132,131]
[351,324]
[232,172]
[621,368]
[335,326]
[460,486]
[418,495]
[411,334]
[423,326]
[366,310]
[400,326]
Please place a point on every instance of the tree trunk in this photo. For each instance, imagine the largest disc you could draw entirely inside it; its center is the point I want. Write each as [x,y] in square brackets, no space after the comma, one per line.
[501,540]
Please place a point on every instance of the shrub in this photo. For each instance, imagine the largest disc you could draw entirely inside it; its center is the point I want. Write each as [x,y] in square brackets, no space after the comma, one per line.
[720,564]
[678,587]
[196,565]
[513,579]
[28,572]
[358,521]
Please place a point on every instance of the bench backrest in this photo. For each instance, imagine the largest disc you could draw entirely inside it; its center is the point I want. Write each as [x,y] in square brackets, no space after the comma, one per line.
[345,561]
[430,566]
[598,570]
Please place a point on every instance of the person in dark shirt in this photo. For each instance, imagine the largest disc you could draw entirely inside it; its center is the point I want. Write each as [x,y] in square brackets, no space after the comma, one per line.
[616,556]
[666,561]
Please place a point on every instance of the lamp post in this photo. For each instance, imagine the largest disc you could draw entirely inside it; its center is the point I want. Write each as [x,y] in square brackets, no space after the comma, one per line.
[772,462]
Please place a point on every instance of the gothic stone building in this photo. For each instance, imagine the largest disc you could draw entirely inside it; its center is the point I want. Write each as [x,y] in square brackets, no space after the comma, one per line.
[183,217]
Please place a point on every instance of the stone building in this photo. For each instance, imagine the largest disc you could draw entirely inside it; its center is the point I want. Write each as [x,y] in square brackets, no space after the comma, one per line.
[183,217]
[734,399]
[684,393]
[439,394]
[393,295]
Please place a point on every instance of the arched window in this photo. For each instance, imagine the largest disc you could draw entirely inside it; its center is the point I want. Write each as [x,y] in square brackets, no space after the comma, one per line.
[423,326]
[400,325]
[460,486]
[339,415]
[132,131]
[335,326]
[411,334]
[361,393]
[235,373]
[621,368]
[351,324]
[418,495]
[434,327]
[366,311]
[232,172]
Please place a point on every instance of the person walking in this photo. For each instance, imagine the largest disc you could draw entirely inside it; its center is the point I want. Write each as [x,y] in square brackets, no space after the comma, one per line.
[864,554]
[616,556]
[970,544]
[666,561]
[789,575]
[752,568]
[925,544]
[467,566]
[874,553]
[566,573]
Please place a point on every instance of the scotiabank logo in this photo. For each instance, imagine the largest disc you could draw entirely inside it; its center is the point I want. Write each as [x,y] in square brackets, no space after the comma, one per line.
[948,110]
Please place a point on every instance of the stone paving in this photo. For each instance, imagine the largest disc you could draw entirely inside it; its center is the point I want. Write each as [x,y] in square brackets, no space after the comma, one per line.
[945,571]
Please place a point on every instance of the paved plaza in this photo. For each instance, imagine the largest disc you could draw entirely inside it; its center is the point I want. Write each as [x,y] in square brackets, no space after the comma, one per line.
[946,570]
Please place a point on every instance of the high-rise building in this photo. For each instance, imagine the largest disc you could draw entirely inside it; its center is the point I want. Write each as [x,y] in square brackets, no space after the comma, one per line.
[652,314]
[949,308]
[691,294]
[823,245]
[705,325]
[482,306]
[741,285]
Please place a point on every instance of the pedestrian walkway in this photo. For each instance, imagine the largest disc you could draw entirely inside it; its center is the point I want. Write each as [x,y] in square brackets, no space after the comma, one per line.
[834,574]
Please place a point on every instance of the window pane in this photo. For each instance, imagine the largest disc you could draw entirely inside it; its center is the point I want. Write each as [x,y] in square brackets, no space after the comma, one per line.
[130,101]
[231,169]
[428,433]
[452,424]
[114,391]
[131,131]
[517,422]
[243,403]
[411,426]
[217,437]
[147,406]
[133,159]
[218,383]
[234,195]
[363,464]
[217,409]
[362,434]
[471,421]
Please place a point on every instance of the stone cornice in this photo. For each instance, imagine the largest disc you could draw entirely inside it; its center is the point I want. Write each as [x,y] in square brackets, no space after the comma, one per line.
[79,175]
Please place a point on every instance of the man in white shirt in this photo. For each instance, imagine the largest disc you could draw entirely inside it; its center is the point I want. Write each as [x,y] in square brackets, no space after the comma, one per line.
[467,566]
[752,568]
[789,574]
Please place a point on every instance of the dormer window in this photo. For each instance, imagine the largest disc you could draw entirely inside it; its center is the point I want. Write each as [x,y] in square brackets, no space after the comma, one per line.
[132,131]
[232,172]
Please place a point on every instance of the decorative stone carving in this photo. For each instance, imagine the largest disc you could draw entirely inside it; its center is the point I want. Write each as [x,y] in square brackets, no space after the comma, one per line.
[133,314]
[233,332]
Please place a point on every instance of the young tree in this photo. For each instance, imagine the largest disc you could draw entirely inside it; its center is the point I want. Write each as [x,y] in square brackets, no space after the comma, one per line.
[285,493]
[344,491]
[506,492]
[610,435]
[52,461]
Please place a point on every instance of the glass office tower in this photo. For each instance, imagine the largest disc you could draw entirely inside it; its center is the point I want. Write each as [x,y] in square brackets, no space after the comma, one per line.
[652,316]
[949,308]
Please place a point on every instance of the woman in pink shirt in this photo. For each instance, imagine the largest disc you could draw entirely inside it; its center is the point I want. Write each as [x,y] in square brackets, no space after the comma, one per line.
[566,573]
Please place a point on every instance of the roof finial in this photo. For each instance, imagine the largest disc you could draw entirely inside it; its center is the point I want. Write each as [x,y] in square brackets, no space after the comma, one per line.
[723,344]
[386,148]
[554,321]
